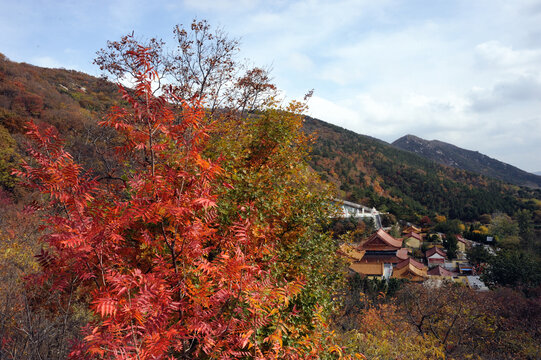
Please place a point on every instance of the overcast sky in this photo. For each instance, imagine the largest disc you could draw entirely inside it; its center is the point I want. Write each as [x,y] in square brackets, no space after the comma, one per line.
[464,72]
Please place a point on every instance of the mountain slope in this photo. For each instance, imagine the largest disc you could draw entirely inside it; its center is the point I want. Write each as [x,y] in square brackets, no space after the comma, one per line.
[375,173]
[364,169]
[451,155]
[72,101]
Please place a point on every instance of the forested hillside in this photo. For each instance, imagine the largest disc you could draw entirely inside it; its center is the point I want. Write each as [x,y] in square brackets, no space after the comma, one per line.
[212,238]
[364,169]
[71,101]
[169,230]
[372,172]
[451,155]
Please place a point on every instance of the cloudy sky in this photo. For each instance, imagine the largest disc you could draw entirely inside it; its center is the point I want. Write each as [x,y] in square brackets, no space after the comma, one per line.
[465,72]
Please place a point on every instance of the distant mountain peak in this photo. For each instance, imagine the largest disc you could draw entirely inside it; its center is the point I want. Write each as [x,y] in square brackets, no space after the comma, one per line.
[412,138]
[454,156]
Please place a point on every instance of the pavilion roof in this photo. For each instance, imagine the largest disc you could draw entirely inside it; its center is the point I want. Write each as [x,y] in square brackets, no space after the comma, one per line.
[413,235]
[435,250]
[367,268]
[462,240]
[440,271]
[380,258]
[381,239]
[351,252]
[410,269]
[411,228]
[402,253]
[410,262]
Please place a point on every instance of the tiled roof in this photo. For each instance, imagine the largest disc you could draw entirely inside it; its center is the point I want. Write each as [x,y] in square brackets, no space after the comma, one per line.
[439,271]
[385,237]
[380,258]
[367,268]
[410,269]
[402,254]
[351,252]
[435,250]
[462,240]
[410,229]
[413,235]
[410,261]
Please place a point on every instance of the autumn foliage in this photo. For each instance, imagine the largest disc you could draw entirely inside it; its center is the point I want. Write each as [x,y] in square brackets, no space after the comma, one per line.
[167,272]
[189,225]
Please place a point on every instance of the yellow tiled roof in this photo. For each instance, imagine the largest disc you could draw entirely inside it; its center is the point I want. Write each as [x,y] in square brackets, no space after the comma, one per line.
[367,268]
[352,252]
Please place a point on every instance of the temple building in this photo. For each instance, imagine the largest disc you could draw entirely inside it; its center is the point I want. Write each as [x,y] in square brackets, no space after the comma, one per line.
[463,244]
[441,273]
[377,256]
[412,240]
[410,269]
[410,229]
[435,256]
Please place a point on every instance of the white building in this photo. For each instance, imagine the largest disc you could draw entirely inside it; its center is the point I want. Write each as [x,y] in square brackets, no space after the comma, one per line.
[349,209]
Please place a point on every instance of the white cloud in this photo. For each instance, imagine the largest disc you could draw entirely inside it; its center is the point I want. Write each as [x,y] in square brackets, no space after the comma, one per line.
[46,61]
[332,112]
[389,68]
[494,53]
[519,90]
[467,72]
[300,62]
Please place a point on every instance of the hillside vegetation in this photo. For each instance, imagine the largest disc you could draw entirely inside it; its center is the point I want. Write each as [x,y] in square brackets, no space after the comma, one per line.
[71,101]
[364,169]
[373,172]
[163,228]
[451,155]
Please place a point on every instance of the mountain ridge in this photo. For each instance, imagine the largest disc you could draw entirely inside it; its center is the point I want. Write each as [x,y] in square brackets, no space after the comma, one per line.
[470,160]
[364,169]
[373,172]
